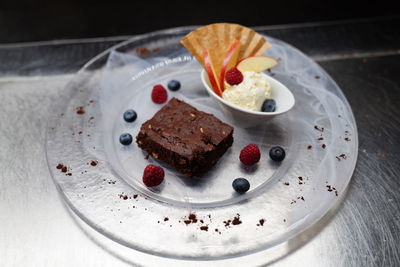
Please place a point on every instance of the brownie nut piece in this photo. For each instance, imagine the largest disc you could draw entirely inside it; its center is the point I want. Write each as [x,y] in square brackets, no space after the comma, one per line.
[189,140]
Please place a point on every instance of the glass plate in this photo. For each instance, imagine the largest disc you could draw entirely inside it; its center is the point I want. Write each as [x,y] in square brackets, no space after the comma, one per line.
[197,218]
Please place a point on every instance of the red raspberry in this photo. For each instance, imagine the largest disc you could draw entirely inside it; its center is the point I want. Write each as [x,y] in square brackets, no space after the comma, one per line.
[250,155]
[233,76]
[153,175]
[159,95]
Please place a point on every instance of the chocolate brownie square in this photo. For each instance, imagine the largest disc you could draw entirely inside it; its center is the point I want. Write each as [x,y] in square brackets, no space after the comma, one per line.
[189,140]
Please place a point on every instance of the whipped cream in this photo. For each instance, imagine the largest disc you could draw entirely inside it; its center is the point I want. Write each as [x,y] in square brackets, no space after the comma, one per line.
[250,93]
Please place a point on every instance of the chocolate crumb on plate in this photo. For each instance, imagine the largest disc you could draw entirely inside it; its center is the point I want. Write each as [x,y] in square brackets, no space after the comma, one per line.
[316,127]
[236,220]
[80,110]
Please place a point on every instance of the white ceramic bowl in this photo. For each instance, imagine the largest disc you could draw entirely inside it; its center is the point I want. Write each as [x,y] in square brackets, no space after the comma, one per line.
[246,118]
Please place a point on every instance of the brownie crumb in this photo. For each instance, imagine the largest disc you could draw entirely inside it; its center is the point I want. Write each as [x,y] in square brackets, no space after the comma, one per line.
[321,129]
[330,188]
[286,183]
[122,196]
[80,110]
[142,51]
[93,163]
[69,174]
[236,220]
[309,147]
[135,196]
[64,169]
[347,139]
[191,219]
[59,166]
[204,228]
[320,138]
[284,220]
[227,223]
[323,146]
[343,156]
[261,222]
[317,77]
[166,219]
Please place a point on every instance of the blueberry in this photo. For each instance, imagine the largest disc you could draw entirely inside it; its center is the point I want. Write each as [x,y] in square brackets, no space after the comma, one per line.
[269,105]
[241,185]
[174,85]
[125,139]
[277,153]
[130,115]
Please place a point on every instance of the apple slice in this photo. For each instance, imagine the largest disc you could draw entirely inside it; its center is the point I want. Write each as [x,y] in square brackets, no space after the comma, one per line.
[211,73]
[256,63]
[229,62]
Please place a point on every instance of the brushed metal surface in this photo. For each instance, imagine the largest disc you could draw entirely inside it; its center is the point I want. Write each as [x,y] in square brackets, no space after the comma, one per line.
[36,228]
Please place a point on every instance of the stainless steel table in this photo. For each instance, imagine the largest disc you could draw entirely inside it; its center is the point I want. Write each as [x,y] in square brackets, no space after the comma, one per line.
[37,229]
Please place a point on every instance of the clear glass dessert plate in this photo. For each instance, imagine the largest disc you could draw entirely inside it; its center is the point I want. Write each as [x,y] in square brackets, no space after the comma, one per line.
[198,219]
